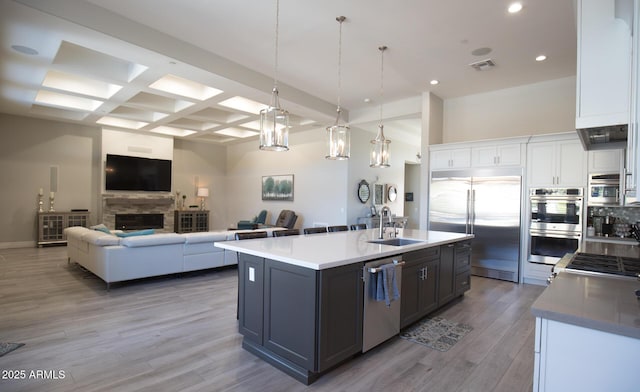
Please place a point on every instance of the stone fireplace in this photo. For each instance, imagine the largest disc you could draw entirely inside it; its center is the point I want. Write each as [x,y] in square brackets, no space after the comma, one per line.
[130,205]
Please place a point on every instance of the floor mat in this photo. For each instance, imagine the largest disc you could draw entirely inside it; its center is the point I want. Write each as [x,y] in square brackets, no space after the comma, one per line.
[6,348]
[436,333]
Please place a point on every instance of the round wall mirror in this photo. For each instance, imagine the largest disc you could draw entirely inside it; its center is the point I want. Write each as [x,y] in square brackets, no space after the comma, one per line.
[363,191]
[392,193]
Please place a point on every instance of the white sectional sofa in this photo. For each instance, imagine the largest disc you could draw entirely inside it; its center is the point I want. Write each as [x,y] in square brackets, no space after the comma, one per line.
[115,259]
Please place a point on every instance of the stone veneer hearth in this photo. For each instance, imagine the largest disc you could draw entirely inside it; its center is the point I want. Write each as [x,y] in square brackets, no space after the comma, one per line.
[138,203]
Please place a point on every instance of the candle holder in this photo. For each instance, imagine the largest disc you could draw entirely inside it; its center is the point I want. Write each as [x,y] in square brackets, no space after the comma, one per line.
[40,204]
[51,202]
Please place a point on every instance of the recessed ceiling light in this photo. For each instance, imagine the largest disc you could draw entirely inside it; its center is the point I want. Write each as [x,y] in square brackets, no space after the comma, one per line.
[367,100]
[184,87]
[236,132]
[515,7]
[243,104]
[67,101]
[252,124]
[172,131]
[542,57]
[121,122]
[24,50]
[80,85]
[434,82]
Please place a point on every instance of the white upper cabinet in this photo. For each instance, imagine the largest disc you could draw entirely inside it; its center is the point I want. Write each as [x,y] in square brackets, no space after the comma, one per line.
[554,164]
[632,164]
[454,158]
[605,161]
[604,64]
[501,155]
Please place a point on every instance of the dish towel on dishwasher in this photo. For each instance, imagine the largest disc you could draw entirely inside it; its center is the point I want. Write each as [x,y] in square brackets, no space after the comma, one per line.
[386,285]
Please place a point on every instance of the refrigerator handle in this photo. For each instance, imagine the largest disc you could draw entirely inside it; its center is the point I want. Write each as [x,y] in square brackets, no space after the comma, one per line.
[473,209]
[467,222]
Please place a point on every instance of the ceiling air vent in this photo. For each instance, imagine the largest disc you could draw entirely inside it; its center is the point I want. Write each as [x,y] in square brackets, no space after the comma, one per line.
[483,65]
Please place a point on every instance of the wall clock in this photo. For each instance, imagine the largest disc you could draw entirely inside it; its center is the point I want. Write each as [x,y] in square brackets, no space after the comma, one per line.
[363,191]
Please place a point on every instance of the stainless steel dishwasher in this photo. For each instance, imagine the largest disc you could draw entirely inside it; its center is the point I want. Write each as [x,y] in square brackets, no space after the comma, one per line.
[380,322]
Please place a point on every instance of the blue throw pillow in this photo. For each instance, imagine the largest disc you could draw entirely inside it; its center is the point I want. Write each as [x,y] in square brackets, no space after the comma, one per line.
[135,233]
[101,227]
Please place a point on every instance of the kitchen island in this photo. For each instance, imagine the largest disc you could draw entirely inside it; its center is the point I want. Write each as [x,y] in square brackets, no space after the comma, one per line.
[588,328]
[301,298]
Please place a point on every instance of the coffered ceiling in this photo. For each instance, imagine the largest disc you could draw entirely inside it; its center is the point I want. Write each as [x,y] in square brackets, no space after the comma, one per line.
[202,70]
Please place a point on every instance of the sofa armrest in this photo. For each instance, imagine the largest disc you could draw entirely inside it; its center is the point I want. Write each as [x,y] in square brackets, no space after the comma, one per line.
[209,236]
[99,238]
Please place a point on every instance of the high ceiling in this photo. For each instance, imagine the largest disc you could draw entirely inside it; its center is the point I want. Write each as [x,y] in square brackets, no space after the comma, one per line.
[107,55]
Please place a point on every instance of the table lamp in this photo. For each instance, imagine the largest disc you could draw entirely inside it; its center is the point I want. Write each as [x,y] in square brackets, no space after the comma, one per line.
[202,193]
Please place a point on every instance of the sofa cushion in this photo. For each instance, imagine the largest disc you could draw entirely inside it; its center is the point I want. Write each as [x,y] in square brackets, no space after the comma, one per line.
[209,236]
[99,238]
[125,234]
[151,240]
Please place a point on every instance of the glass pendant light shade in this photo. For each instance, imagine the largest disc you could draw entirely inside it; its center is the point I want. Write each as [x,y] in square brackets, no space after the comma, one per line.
[380,150]
[379,156]
[338,140]
[274,126]
[339,134]
[274,121]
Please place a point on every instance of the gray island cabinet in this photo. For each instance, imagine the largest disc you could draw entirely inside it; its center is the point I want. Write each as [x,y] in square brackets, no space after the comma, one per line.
[306,320]
[301,298]
[433,277]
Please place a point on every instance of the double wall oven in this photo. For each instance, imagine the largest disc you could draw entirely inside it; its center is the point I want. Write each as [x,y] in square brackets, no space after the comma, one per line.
[556,223]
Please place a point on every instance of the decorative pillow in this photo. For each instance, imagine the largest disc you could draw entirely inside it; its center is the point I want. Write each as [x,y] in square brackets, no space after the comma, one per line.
[101,227]
[135,233]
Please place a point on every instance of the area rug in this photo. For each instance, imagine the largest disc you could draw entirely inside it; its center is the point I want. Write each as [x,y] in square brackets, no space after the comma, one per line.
[436,333]
[6,348]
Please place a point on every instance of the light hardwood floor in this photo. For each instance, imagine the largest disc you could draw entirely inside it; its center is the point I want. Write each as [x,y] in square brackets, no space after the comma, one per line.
[180,334]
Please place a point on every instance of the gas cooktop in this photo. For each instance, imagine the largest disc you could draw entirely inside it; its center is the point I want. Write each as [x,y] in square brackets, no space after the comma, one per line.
[604,264]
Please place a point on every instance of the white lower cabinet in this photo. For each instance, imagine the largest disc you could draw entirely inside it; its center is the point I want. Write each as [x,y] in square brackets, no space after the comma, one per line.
[573,358]
[535,273]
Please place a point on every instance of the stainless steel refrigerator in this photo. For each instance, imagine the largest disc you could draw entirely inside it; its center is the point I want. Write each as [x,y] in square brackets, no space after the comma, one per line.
[485,203]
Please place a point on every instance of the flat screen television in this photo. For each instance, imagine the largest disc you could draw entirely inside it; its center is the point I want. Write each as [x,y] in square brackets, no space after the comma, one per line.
[126,173]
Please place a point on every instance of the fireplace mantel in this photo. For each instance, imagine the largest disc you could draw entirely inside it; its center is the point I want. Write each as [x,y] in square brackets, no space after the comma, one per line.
[136,200]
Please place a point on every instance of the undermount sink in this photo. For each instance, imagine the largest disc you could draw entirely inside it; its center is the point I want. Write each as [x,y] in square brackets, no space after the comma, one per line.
[396,241]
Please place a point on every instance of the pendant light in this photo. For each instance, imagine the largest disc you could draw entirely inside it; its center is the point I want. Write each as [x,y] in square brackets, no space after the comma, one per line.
[274,121]
[339,135]
[380,145]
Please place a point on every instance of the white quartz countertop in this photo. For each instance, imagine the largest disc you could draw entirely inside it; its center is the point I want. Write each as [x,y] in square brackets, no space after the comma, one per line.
[604,303]
[328,250]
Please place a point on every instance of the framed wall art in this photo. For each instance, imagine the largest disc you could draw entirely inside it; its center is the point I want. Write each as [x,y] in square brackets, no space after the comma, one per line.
[278,187]
[378,194]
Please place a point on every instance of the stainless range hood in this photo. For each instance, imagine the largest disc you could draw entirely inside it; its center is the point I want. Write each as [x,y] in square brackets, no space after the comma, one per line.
[603,138]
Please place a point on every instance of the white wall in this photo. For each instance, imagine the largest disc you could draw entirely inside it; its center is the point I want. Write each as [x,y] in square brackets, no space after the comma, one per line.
[412,184]
[324,190]
[28,148]
[197,164]
[320,185]
[359,170]
[534,109]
